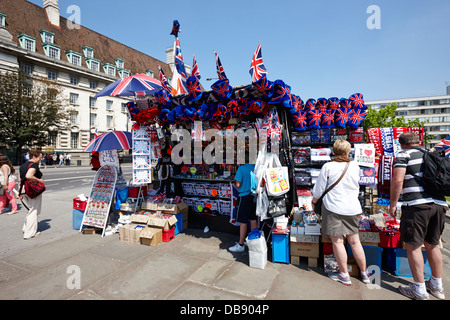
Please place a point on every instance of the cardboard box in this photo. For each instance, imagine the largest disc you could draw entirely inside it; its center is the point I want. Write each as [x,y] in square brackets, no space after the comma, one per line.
[165,221]
[151,236]
[304,245]
[369,238]
[166,207]
[131,232]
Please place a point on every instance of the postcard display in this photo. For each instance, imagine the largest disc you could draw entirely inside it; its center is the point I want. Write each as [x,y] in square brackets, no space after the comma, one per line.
[100,199]
[142,158]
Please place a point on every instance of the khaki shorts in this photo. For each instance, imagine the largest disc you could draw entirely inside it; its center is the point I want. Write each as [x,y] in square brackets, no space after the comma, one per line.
[338,225]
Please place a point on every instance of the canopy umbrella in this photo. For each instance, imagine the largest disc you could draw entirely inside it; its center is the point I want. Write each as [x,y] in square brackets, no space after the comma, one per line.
[136,85]
[113,140]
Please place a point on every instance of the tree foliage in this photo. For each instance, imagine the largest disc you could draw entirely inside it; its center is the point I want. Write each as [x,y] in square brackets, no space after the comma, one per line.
[30,108]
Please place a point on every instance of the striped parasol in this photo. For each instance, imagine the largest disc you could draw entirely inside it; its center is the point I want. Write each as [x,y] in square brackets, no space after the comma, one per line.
[114,140]
[136,85]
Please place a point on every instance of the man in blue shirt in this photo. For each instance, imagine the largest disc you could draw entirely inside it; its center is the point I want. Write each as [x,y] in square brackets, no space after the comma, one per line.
[245,181]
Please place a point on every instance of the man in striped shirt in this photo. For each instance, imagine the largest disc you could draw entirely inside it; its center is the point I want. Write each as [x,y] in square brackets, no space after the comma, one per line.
[422,220]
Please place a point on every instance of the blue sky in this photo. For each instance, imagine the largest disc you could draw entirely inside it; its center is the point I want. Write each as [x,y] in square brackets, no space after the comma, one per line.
[320,48]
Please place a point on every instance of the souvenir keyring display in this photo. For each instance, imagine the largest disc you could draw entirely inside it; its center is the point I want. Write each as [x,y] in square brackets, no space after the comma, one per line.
[102,193]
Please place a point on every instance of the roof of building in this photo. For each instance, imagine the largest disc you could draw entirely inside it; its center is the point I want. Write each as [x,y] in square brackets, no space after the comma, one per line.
[28,18]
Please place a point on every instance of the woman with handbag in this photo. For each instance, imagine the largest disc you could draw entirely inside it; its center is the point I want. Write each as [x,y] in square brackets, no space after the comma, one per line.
[7,184]
[31,178]
[335,196]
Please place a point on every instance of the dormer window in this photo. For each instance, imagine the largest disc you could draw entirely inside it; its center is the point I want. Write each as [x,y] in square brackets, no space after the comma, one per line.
[47,36]
[88,52]
[119,63]
[123,73]
[2,20]
[27,42]
[52,51]
[110,69]
[74,57]
[150,73]
[93,64]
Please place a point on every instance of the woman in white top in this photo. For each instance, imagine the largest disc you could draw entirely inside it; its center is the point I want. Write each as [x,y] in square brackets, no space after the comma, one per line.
[7,179]
[341,209]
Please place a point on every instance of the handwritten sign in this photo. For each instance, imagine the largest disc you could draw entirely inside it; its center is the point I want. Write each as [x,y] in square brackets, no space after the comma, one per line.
[109,157]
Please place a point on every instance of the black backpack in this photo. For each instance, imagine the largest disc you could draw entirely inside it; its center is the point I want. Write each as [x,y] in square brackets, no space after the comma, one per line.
[436,174]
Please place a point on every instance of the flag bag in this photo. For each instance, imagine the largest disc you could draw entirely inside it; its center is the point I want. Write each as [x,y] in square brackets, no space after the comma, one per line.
[33,189]
[436,174]
[276,176]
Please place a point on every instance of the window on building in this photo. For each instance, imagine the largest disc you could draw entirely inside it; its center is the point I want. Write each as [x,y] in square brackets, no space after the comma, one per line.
[150,73]
[27,42]
[73,98]
[74,57]
[109,69]
[52,51]
[47,36]
[27,69]
[92,102]
[124,108]
[123,73]
[2,20]
[74,140]
[74,81]
[93,85]
[109,122]
[109,105]
[119,63]
[52,136]
[74,118]
[93,120]
[52,75]
[88,52]
[93,64]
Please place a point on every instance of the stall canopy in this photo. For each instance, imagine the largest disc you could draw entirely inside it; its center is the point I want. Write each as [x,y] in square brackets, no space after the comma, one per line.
[136,85]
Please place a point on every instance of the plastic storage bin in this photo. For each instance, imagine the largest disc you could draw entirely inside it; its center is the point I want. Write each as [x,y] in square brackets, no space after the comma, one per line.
[374,255]
[168,235]
[397,260]
[77,218]
[280,248]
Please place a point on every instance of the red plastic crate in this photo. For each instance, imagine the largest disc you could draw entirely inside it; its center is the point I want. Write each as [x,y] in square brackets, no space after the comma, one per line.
[133,192]
[168,234]
[79,205]
[390,239]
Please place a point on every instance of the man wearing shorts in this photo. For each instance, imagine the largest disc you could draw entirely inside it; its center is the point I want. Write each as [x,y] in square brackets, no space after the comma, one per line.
[422,220]
[245,181]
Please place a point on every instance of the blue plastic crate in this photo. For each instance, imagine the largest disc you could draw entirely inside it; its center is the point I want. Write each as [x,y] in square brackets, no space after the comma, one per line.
[374,255]
[77,218]
[397,260]
[280,248]
[179,224]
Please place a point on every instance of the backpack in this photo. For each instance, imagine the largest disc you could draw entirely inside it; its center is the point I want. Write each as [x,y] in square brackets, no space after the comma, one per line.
[436,174]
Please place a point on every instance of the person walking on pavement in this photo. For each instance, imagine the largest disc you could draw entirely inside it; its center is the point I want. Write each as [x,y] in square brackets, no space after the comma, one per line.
[341,209]
[30,171]
[61,160]
[8,180]
[422,221]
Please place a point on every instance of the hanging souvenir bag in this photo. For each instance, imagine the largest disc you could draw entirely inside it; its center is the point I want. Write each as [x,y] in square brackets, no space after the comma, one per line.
[276,176]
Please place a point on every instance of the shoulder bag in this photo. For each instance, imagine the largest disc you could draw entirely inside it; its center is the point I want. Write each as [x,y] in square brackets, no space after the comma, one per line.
[318,205]
[33,189]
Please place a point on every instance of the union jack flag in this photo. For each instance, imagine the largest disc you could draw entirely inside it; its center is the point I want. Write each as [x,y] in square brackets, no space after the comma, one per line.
[175,28]
[219,67]
[195,70]
[444,145]
[179,63]
[299,120]
[257,68]
[314,118]
[164,81]
[342,116]
[357,100]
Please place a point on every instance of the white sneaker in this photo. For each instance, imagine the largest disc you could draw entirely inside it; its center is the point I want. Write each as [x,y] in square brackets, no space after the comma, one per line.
[237,248]
[411,292]
[435,291]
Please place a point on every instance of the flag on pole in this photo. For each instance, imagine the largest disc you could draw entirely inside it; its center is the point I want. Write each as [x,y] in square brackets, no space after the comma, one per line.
[179,72]
[175,28]
[219,67]
[195,70]
[257,68]
[163,79]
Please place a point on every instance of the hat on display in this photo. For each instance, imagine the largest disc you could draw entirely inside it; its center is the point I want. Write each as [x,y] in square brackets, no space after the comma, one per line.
[357,118]
[297,102]
[310,104]
[132,109]
[233,108]
[213,112]
[357,101]
[328,118]
[171,117]
[345,103]
[162,98]
[163,116]
[322,104]
[333,103]
[314,118]
[222,89]
[281,94]
[194,90]
[264,86]
[201,113]
[342,116]
[299,120]
[190,113]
